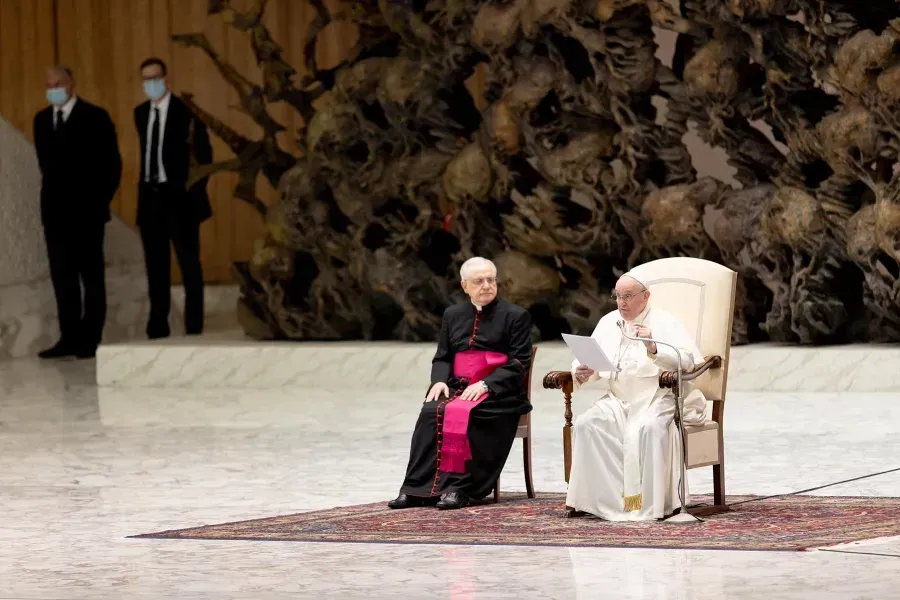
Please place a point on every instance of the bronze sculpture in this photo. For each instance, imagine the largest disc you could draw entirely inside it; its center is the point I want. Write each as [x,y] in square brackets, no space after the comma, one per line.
[576,169]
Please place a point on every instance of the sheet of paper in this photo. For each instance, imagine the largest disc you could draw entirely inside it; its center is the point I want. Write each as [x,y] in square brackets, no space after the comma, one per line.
[588,352]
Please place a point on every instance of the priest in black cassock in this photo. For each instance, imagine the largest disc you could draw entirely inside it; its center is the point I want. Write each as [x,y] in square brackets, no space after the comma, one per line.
[468,422]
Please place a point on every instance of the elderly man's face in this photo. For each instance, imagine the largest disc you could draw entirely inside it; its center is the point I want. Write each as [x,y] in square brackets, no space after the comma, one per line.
[631,297]
[481,285]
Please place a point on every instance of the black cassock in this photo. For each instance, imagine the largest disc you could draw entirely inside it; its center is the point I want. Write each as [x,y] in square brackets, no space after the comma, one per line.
[499,327]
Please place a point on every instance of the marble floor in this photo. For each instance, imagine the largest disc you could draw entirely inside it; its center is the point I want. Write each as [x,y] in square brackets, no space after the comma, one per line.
[81,468]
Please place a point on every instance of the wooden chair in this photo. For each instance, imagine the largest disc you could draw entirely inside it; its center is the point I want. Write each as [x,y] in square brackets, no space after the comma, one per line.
[701,294]
[524,432]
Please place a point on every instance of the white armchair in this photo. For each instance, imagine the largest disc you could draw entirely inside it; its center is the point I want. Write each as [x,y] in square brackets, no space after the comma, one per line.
[701,294]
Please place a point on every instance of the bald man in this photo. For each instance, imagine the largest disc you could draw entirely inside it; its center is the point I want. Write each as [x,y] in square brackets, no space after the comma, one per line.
[626,448]
[80,172]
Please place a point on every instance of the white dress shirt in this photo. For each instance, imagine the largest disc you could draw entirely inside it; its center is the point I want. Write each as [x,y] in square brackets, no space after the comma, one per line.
[163,106]
[66,110]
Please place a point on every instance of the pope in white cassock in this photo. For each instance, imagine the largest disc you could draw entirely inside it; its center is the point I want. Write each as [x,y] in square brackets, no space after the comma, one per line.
[626,449]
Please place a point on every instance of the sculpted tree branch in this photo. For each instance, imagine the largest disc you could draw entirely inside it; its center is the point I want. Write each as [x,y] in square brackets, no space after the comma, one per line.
[570,166]
[251,96]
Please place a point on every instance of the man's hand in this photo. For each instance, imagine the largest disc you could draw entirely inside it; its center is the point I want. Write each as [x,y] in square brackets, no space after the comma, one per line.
[583,373]
[473,392]
[436,390]
[643,331]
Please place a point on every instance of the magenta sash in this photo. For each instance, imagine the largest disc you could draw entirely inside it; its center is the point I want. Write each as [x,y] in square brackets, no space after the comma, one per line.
[471,365]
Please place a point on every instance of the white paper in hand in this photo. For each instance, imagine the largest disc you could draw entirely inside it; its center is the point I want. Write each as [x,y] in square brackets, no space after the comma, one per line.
[588,352]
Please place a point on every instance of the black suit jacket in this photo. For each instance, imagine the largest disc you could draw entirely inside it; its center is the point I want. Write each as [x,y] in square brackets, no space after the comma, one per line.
[184,136]
[81,167]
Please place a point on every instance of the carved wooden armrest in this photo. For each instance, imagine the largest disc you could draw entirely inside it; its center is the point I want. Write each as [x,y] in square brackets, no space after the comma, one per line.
[557,380]
[563,380]
[669,379]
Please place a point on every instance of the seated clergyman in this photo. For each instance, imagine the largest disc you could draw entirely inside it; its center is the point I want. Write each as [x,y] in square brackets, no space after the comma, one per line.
[469,418]
[626,449]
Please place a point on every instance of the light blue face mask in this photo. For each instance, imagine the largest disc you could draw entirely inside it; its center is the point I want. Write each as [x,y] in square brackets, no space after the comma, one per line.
[155,88]
[57,96]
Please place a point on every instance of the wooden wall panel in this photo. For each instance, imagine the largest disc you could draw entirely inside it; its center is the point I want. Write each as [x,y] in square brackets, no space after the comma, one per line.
[104,42]
[100,41]
[26,50]
[288,23]
[190,70]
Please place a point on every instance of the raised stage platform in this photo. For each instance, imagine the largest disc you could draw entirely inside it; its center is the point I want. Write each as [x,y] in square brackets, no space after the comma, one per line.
[228,359]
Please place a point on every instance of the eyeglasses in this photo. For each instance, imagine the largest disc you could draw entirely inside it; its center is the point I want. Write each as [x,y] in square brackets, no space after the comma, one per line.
[626,298]
[480,281]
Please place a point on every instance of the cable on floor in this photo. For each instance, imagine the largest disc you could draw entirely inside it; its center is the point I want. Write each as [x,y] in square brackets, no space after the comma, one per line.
[863,553]
[821,487]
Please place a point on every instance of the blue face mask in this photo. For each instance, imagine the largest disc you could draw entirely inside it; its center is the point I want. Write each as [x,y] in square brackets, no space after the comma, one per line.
[57,96]
[155,88]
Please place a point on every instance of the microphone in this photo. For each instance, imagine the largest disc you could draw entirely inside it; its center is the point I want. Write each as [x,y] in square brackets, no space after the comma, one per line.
[684,516]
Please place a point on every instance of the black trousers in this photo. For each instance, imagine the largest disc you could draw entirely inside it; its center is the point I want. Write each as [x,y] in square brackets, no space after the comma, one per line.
[75,254]
[164,224]
[492,431]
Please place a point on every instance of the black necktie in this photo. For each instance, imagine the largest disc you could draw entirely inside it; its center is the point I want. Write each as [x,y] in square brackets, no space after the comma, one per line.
[154,148]
[59,120]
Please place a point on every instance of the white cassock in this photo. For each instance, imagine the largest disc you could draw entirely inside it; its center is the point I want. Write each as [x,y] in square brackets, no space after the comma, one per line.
[626,449]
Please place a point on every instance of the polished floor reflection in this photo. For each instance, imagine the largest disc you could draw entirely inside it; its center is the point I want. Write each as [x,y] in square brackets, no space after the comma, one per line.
[82,468]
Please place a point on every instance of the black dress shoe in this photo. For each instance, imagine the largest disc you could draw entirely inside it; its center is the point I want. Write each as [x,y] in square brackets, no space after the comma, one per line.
[404,501]
[60,350]
[89,352]
[453,500]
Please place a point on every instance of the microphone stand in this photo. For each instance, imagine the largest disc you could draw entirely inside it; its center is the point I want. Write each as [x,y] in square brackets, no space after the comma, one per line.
[684,516]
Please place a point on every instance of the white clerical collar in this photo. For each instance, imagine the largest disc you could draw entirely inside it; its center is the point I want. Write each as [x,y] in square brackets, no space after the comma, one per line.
[477,307]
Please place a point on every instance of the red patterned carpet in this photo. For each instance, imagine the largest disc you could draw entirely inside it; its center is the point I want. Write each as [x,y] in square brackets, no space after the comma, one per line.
[791,523]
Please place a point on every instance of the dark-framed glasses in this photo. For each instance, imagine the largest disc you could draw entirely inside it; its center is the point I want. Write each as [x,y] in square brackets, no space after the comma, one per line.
[625,297]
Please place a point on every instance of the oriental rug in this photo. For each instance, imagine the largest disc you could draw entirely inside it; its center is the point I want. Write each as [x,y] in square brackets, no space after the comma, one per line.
[786,524]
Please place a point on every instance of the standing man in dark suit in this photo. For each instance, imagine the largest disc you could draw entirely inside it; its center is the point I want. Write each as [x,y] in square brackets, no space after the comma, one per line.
[168,211]
[80,172]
